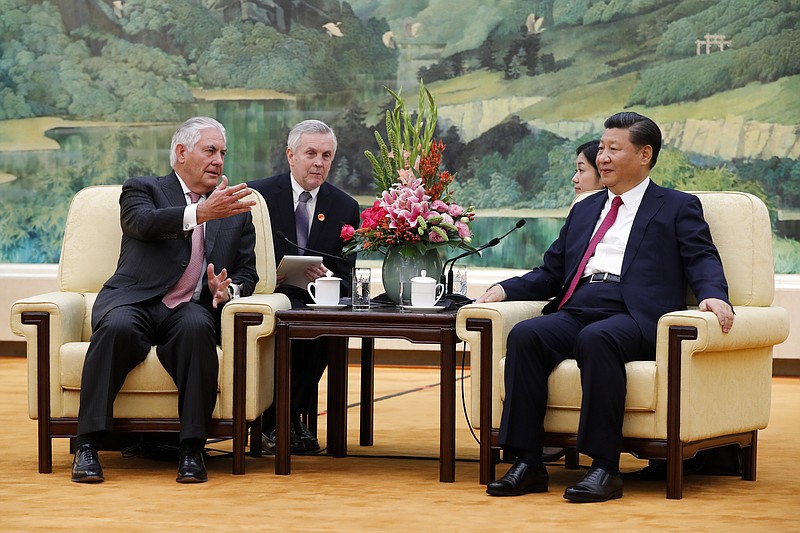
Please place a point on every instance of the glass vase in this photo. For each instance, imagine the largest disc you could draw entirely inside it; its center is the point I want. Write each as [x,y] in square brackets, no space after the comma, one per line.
[398,270]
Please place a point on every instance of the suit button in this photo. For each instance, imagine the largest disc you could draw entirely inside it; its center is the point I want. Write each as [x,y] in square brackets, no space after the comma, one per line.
[185,264]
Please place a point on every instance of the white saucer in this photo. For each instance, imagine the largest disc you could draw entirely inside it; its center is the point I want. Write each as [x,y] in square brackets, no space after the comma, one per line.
[326,306]
[423,308]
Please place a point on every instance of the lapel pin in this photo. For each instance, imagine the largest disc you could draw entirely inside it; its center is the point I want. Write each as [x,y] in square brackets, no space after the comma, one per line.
[321,217]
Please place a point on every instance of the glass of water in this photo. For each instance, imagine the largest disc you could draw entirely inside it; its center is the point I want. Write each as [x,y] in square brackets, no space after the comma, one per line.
[362,278]
[460,280]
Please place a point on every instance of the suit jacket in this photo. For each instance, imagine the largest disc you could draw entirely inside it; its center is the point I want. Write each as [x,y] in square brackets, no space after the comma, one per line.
[669,248]
[155,250]
[334,209]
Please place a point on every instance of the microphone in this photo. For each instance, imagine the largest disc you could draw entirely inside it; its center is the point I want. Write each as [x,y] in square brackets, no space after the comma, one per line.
[311,250]
[458,298]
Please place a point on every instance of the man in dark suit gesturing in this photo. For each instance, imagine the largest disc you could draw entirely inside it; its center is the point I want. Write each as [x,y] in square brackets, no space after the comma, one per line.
[623,258]
[309,212]
[187,247]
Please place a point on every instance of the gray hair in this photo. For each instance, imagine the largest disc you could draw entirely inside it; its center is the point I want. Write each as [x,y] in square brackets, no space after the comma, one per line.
[188,134]
[309,126]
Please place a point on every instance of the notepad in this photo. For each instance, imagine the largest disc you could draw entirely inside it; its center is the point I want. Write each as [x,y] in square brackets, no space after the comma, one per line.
[294,268]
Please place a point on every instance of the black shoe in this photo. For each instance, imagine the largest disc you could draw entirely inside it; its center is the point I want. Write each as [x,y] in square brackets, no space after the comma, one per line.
[597,486]
[309,441]
[268,443]
[191,468]
[520,479]
[655,471]
[551,455]
[86,465]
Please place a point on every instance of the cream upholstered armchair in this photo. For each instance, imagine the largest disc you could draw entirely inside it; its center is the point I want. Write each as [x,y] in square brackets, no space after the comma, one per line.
[705,388]
[57,327]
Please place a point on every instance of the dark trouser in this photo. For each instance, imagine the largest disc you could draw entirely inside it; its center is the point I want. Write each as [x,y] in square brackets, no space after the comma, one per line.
[309,360]
[186,341]
[595,329]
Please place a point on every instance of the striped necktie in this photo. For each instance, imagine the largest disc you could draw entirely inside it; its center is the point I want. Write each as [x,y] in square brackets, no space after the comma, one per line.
[183,290]
[301,220]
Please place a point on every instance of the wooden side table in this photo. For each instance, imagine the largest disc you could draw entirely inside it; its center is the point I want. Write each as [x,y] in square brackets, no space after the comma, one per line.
[431,328]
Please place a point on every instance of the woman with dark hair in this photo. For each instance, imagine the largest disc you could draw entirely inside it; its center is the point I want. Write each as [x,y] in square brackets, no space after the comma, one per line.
[586,177]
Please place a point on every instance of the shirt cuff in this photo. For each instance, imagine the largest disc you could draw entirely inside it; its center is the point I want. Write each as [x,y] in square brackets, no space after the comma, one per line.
[190,217]
[234,291]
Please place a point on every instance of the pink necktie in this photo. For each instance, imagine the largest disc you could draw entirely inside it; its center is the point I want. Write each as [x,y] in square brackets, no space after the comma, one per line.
[183,290]
[607,222]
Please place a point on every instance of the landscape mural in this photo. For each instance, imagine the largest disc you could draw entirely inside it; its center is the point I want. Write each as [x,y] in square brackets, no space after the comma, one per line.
[91,91]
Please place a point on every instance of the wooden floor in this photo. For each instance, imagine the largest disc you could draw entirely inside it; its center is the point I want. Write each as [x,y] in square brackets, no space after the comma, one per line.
[392,486]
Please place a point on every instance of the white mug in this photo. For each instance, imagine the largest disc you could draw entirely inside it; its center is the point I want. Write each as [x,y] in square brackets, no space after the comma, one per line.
[325,290]
[425,292]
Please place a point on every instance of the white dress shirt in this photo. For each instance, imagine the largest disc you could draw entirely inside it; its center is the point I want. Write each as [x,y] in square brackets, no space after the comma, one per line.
[610,250]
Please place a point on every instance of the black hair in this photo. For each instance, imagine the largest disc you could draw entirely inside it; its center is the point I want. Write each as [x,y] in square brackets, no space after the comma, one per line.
[589,150]
[642,130]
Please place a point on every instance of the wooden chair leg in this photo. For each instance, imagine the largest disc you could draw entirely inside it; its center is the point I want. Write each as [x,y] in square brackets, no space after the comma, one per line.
[488,462]
[674,479]
[45,452]
[749,459]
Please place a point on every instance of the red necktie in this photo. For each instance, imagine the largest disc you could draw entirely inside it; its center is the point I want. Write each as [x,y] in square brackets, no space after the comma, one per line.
[607,222]
[183,290]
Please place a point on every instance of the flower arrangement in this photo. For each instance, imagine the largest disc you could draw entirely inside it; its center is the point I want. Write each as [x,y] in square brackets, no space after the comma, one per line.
[415,210]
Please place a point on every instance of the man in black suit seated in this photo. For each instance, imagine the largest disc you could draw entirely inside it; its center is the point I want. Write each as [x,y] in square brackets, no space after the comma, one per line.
[623,258]
[310,150]
[183,235]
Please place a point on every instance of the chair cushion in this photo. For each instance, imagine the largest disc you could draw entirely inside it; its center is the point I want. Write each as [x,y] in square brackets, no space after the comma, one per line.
[148,377]
[564,386]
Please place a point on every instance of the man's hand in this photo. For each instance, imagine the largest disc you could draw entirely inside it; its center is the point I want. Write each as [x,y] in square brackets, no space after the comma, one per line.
[720,308]
[313,272]
[218,285]
[224,202]
[493,294]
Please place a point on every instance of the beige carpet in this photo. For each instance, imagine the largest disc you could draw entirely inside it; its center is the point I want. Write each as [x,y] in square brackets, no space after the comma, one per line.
[377,493]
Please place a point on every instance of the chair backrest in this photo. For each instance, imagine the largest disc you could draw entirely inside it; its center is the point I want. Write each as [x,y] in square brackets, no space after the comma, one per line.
[92,237]
[742,232]
[265,248]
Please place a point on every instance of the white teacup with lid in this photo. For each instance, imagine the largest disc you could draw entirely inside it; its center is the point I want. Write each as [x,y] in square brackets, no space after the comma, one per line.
[325,290]
[425,292]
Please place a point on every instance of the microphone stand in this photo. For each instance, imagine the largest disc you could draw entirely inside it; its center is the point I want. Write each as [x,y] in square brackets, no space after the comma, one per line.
[447,280]
[456,298]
